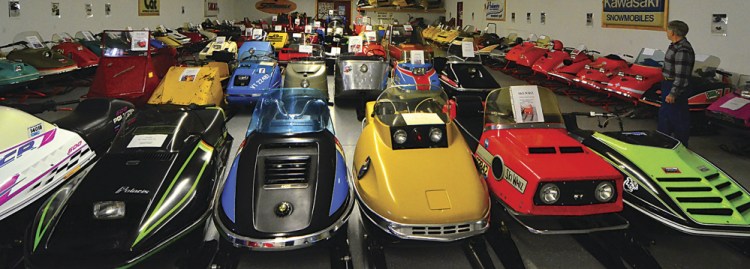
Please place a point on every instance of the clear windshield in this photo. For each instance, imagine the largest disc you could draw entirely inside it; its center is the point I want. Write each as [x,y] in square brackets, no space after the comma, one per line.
[255,49]
[85,35]
[125,43]
[455,51]
[650,57]
[62,37]
[32,39]
[399,35]
[519,106]
[400,106]
[291,110]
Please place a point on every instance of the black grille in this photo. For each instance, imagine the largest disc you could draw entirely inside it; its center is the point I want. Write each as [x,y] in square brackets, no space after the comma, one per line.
[734,195]
[542,150]
[678,179]
[688,189]
[571,150]
[743,208]
[286,169]
[712,176]
[723,185]
[711,211]
[699,199]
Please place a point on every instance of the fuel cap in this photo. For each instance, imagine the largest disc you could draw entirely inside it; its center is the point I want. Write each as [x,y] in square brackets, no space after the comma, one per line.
[363,68]
[283,209]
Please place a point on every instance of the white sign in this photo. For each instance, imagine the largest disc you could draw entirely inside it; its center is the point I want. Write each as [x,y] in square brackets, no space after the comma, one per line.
[421,118]
[305,48]
[316,24]
[274,18]
[189,74]
[648,52]
[527,107]
[408,27]
[355,44]
[220,40]
[417,56]
[147,141]
[297,35]
[257,34]
[139,41]
[338,31]
[34,42]
[368,27]
[330,12]
[335,50]
[735,103]
[277,28]
[248,31]
[297,21]
[467,49]
[308,29]
[370,36]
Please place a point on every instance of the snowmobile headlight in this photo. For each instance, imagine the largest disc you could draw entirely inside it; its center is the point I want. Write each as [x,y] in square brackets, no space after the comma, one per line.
[549,193]
[243,78]
[587,67]
[639,77]
[745,93]
[305,83]
[108,210]
[621,74]
[436,134]
[604,192]
[399,136]
[602,70]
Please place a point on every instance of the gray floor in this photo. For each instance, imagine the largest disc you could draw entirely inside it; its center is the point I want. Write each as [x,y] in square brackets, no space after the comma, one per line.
[669,249]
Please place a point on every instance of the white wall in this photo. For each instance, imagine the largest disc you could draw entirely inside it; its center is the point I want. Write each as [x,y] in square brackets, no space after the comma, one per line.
[36,16]
[566,21]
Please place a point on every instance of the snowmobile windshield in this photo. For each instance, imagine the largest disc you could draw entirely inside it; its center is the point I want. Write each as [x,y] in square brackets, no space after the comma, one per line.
[255,49]
[521,107]
[291,110]
[399,35]
[650,57]
[401,106]
[62,37]
[32,38]
[456,52]
[85,36]
[126,43]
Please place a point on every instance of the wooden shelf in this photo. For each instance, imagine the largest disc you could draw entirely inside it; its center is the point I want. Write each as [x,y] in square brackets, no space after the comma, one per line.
[402,10]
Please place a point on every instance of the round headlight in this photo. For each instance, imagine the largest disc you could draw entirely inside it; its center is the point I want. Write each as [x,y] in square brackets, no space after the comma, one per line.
[305,83]
[399,136]
[604,192]
[436,134]
[549,194]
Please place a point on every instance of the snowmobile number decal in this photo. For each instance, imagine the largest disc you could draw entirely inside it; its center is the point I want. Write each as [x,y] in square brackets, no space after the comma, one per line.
[482,158]
[514,179]
[16,152]
[260,81]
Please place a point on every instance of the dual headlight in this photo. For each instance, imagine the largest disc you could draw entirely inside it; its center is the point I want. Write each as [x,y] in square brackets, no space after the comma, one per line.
[400,136]
[550,193]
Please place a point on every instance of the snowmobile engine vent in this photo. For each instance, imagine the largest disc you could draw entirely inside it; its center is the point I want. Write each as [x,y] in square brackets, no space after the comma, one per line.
[571,150]
[542,150]
[286,169]
[441,230]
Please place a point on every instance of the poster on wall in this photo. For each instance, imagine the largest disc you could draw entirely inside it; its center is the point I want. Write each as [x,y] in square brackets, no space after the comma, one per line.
[638,14]
[275,6]
[14,9]
[211,8]
[148,7]
[495,10]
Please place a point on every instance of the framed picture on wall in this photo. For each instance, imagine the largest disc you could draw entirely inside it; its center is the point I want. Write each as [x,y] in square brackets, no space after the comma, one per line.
[495,10]
[211,8]
[148,7]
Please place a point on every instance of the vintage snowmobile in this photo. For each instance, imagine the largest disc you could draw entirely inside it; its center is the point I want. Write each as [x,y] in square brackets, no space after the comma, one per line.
[30,49]
[69,47]
[464,74]
[257,73]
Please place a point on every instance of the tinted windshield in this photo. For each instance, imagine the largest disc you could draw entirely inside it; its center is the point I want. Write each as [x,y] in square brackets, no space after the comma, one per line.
[455,51]
[399,106]
[255,49]
[399,35]
[125,43]
[32,39]
[529,104]
[650,57]
[291,110]
[85,35]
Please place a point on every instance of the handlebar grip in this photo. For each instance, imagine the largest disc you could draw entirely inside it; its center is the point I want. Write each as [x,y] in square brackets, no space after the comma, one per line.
[723,73]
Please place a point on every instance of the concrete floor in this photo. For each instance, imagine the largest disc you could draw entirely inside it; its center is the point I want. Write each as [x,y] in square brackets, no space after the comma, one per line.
[669,249]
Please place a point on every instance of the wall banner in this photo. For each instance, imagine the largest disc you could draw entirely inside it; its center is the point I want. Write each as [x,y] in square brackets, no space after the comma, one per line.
[148,7]
[275,6]
[635,13]
[495,10]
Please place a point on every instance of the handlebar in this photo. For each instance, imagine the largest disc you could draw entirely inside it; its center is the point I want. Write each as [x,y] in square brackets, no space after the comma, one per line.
[592,114]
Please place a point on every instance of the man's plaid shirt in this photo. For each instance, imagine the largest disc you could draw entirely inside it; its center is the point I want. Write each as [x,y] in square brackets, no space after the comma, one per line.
[678,66]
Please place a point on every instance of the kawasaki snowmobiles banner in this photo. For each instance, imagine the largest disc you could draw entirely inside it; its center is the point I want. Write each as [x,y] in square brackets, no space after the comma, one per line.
[635,13]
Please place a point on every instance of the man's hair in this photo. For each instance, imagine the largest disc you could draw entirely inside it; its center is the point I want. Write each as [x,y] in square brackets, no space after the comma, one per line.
[679,28]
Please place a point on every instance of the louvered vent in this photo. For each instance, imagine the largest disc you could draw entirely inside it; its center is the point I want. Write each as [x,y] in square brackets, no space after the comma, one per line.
[542,150]
[286,169]
[564,150]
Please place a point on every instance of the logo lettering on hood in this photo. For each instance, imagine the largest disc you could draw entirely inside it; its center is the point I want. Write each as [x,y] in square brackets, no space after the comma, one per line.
[129,190]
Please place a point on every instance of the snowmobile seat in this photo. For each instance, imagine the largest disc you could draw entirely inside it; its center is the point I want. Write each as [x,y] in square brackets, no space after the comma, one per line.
[96,120]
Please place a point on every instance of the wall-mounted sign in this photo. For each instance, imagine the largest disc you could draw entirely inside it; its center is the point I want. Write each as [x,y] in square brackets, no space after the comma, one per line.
[14,9]
[275,6]
[56,10]
[495,10]
[528,17]
[211,8]
[719,23]
[543,18]
[107,9]
[89,9]
[148,7]
[635,14]
[589,19]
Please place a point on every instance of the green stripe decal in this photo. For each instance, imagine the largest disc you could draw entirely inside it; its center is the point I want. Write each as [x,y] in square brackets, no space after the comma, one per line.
[39,230]
[144,231]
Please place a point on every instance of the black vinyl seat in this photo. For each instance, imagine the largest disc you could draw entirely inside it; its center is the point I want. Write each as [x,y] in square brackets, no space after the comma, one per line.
[96,120]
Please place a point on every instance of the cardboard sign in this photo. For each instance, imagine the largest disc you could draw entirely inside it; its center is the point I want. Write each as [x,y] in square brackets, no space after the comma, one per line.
[422,118]
[371,36]
[297,21]
[408,27]
[248,31]
[335,50]
[257,34]
[338,31]
[220,40]
[308,29]
[467,49]
[316,24]
[368,27]
[305,48]
[735,103]
[527,106]
[277,28]
[355,44]
[34,42]
[330,12]
[417,57]
[147,141]
[297,35]
[274,18]
[139,41]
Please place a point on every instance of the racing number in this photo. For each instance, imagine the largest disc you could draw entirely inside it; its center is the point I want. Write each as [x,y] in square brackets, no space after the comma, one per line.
[482,166]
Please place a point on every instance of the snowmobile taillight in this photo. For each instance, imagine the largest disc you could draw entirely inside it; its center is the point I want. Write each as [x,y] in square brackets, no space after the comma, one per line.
[109,210]
[639,78]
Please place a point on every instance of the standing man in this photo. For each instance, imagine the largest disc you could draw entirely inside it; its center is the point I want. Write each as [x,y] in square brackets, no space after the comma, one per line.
[674,113]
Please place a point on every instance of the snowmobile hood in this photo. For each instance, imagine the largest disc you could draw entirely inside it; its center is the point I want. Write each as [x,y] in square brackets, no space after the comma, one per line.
[706,194]
[192,85]
[15,72]
[42,59]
